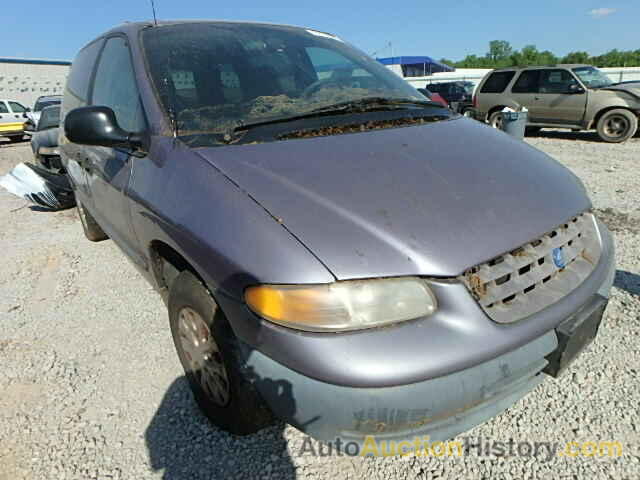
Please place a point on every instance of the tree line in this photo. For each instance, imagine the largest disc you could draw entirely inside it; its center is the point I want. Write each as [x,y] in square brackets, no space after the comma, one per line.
[501,54]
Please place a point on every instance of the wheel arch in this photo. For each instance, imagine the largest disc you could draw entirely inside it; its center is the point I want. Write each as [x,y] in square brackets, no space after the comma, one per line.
[492,110]
[166,264]
[601,112]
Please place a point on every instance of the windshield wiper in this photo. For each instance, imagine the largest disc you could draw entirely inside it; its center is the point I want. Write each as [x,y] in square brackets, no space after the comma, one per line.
[361,105]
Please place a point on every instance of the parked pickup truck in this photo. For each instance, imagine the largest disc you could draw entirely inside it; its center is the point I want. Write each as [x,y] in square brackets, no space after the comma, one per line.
[579,97]
[334,249]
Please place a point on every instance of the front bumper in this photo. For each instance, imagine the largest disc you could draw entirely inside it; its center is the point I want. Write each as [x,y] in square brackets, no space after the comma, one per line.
[435,410]
[439,408]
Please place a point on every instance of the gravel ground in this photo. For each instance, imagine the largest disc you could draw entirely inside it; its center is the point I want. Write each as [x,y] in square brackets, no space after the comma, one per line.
[91,387]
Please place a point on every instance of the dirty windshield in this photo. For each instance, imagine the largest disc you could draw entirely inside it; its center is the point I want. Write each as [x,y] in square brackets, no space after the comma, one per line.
[212,77]
[592,77]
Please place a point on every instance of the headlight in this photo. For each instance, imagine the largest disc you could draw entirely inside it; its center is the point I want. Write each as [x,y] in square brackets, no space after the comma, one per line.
[348,305]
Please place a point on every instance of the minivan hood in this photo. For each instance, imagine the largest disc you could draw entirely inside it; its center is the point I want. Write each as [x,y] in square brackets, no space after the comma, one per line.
[433,199]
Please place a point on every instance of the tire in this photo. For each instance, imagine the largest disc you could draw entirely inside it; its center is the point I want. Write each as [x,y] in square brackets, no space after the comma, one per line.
[220,387]
[495,120]
[91,229]
[529,131]
[617,125]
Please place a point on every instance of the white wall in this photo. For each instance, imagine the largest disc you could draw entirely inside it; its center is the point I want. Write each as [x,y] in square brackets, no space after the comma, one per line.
[26,82]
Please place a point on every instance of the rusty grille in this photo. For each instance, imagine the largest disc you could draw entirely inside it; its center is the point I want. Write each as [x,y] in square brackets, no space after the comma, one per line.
[526,280]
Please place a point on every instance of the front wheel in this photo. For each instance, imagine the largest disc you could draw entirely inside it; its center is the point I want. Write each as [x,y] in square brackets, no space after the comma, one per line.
[210,355]
[617,125]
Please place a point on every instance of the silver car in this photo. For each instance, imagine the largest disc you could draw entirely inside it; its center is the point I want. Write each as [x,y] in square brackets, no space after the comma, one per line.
[44,140]
[579,97]
[33,116]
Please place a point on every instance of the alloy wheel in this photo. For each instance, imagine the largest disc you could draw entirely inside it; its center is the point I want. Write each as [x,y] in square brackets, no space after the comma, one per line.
[616,126]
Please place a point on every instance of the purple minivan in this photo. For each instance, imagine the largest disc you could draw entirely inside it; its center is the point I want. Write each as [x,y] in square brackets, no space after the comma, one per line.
[334,249]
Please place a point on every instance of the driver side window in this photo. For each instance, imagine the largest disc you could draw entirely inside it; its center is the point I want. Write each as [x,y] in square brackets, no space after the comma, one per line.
[556,81]
[115,85]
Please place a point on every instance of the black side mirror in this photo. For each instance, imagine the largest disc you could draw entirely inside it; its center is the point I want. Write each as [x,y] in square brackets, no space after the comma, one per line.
[98,126]
[575,88]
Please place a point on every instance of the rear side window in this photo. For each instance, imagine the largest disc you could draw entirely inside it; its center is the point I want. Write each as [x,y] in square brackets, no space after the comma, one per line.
[497,82]
[115,85]
[527,82]
[80,75]
[3,108]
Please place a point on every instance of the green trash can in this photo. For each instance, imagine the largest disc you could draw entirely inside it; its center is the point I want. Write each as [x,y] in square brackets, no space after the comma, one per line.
[514,123]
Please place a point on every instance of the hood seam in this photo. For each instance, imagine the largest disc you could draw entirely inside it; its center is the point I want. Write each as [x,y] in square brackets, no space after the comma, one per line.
[276,219]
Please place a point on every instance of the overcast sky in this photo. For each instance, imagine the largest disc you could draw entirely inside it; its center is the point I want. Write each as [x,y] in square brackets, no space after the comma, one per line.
[439,28]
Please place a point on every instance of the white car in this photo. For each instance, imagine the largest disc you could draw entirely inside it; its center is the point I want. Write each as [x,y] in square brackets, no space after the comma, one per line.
[12,120]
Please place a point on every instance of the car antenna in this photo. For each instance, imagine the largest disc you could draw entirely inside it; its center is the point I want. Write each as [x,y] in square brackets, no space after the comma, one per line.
[153,9]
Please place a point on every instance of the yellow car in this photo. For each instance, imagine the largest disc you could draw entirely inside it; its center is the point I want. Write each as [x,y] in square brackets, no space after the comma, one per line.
[12,120]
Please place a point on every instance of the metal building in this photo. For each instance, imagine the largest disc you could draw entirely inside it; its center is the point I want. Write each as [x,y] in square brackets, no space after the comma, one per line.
[24,79]
[414,66]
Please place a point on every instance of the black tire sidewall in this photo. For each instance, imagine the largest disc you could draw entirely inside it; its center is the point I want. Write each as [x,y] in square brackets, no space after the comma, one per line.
[245,412]
[633,125]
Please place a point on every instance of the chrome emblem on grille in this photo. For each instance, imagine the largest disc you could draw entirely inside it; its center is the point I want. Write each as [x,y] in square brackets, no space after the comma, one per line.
[558,258]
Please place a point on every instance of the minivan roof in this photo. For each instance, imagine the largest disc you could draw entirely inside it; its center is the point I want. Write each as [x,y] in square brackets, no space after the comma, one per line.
[136,26]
